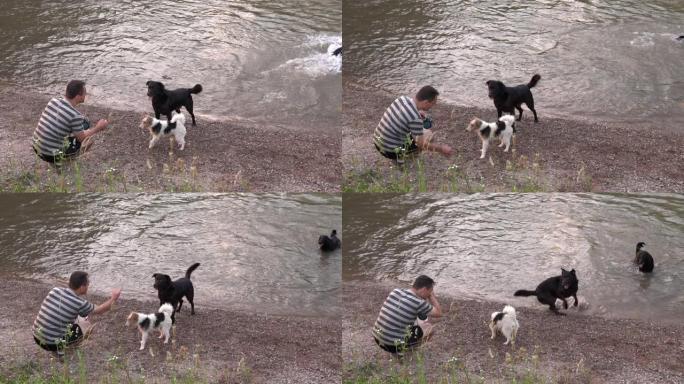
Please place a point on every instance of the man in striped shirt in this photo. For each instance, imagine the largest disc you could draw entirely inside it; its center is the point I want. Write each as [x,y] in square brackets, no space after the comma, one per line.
[63,132]
[402,322]
[61,319]
[404,128]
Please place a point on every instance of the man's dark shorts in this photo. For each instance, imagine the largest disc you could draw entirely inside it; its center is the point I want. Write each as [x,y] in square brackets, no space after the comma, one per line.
[412,340]
[405,151]
[73,146]
[72,337]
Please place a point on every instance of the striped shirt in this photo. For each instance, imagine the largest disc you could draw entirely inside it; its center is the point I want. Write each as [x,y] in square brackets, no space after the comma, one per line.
[400,121]
[58,121]
[60,308]
[399,312]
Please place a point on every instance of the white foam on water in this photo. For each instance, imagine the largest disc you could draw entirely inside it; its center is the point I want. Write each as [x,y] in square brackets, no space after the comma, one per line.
[319,60]
[643,39]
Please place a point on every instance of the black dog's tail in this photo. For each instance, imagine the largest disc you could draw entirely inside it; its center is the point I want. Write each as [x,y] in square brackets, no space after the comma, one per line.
[192,268]
[198,88]
[523,292]
[534,81]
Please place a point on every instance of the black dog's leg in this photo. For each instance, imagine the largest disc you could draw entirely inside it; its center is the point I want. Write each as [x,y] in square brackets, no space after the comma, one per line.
[157,115]
[188,106]
[191,296]
[565,304]
[576,301]
[180,304]
[519,110]
[530,105]
[498,112]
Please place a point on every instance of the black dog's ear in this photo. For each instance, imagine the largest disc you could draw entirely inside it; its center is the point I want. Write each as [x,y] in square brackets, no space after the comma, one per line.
[488,81]
[573,271]
[563,270]
[155,275]
[148,82]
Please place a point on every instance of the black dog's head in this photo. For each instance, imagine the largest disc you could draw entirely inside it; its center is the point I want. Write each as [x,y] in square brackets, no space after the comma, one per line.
[323,239]
[154,88]
[497,89]
[569,280]
[162,282]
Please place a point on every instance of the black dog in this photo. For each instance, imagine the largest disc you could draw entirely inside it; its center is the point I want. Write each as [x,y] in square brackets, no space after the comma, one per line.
[165,101]
[337,51]
[172,292]
[643,259]
[506,98]
[329,243]
[557,287]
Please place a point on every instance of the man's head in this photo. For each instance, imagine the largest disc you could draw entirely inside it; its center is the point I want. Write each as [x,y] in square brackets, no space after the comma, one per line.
[423,286]
[76,91]
[426,98]
[79,282]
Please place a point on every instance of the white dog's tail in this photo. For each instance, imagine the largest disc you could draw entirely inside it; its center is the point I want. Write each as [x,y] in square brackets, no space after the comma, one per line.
[509,311]
[178,117]
[509,119]
[166,309]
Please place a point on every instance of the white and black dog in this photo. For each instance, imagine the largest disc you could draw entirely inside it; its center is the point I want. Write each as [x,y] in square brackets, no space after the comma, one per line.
[159,128]
[146,323]
[506,323]
[503,129]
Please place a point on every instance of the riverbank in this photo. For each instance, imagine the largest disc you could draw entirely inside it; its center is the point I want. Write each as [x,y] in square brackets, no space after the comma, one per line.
[552,155]
[576,348]
[218,156]
[215,345]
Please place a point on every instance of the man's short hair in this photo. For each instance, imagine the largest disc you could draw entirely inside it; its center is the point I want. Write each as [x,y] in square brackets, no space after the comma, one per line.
[423,281]
[78,279]
[427,93]
[74,88]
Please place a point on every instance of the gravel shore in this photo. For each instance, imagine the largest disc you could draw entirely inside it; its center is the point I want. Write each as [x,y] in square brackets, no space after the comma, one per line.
[218,156]
[220,345]
[607,350]
[552,155]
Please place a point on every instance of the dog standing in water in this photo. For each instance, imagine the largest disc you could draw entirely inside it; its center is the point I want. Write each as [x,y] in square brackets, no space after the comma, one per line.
[557,287]
[643,259]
